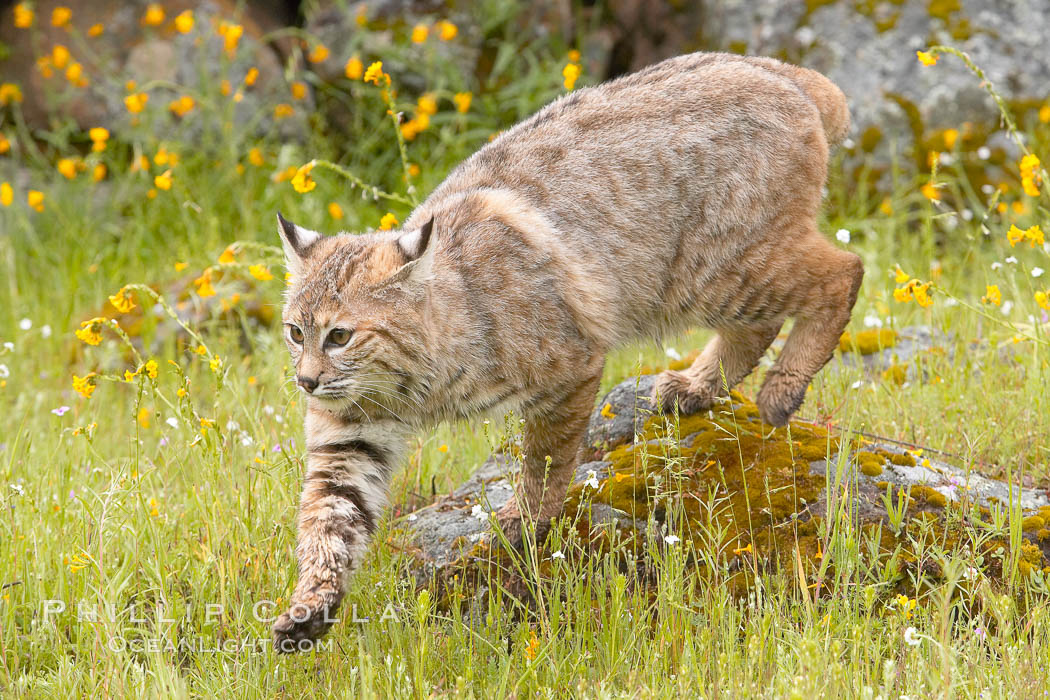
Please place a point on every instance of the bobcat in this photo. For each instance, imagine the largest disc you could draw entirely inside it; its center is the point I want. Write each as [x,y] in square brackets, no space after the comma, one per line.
[684,194]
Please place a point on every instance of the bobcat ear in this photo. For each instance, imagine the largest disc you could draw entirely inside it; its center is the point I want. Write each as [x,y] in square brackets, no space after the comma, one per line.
[295,240]
[414,243]
[418,248]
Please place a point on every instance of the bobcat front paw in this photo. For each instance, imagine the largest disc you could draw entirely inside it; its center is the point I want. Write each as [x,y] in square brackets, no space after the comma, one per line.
[673,387]
[509,522]
[304,621]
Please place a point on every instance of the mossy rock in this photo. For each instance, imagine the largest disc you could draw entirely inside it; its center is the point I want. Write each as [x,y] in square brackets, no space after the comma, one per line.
[768,492]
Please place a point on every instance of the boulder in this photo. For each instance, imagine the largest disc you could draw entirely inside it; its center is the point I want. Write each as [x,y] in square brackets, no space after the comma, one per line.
[724,482]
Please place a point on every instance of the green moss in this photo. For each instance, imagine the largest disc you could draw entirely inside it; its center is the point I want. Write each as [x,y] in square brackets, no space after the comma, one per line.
[871,464]
[900,459]
[868,342]
[1033,522]
[923,493]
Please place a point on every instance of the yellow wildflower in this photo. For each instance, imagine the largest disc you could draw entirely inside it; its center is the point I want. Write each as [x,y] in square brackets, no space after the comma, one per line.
[95,30]
[201,350]
[182,106]
[154,511]
[744,550]
[35,200]
[426,104]
[9,92]
[533,647]
[91,331]
[420,33]
[388,222]
[98,173]
[446,30]
[136,103]
[992,295]
[413,170]
[950,137]
[1043,300]
[255,157]
[122,301]
[607,411]
[203,284]
[227,256]
[1035,237]
[443,448]
[23,15]
[60,16]
[251,76]
[215,364]
[151,368]
[1015,235]
[283,110]
[84,386]
[143,417]
[231,35]
[571,73]
[154,15]
[225,88]
[129,375]
[68,168]
[60,56]
[462,101]
[260,272]
[1030,175]
[335,211]
[318,54]
[184,22]
[75,74]
[180,266]
[298,89]
[900,276]
[354,68]
[927,58]
[163,181]
[302,182]
[929,190]
[7,194]
[5,144]
[1044,114]
[906,606]
[375,74]
[99,136]
[574,55]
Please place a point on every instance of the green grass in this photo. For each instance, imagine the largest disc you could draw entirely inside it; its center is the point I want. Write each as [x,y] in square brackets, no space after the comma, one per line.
[120,515]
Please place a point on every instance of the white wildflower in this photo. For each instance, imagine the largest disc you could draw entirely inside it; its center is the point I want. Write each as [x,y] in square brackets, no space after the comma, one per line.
[558,555]
[480,513]
[872,321]
[173,422]
[911,637]
[842,235]
[4,372]
[997,266]
[671,539]
[673,354]
[45,331]
[984,153]
[25,324]
[1037,272]
[592,479]
[1012,260]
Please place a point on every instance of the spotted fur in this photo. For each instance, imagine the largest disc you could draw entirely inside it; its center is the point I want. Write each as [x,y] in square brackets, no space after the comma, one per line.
[685,194]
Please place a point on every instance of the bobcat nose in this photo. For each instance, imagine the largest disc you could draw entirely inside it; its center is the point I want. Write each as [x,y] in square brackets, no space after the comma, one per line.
[307,383]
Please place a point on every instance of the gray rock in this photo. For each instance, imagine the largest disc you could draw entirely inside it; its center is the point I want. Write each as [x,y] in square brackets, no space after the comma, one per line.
[447,530]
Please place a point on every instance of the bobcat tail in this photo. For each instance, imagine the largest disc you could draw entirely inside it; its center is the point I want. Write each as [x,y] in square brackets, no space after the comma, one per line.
[830,102]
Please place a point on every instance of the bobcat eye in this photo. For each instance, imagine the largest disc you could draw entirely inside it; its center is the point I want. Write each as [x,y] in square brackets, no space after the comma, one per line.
[338,337]
[296,333]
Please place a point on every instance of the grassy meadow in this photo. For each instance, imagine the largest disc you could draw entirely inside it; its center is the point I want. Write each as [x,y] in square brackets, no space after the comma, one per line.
[149,472]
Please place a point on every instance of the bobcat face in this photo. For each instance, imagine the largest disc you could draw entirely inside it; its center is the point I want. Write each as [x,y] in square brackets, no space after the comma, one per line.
[352,319]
